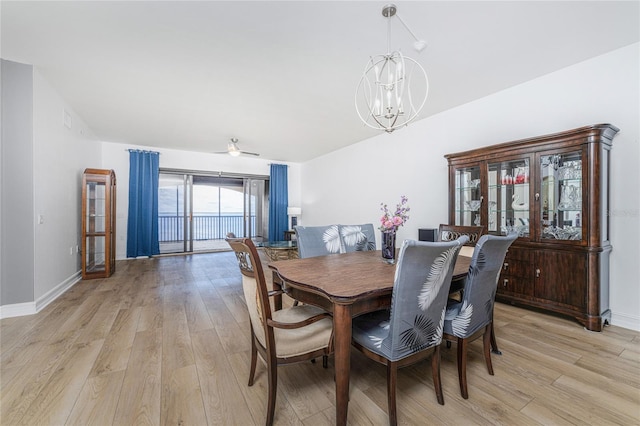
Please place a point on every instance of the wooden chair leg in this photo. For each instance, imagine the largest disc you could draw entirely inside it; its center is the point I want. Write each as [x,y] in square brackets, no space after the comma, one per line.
[494,343]
[254,358]
[462,367]
[435,372]
[273,386]
[486,340]
[325,361]
[392,377]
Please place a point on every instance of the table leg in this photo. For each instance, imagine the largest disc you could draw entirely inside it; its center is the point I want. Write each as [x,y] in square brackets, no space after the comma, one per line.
[342,345]
[277,285]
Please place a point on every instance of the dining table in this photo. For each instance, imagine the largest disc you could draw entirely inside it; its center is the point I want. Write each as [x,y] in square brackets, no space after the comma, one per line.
[346,285]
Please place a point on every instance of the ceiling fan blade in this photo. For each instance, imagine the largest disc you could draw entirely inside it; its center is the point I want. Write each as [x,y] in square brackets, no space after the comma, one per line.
[250,153]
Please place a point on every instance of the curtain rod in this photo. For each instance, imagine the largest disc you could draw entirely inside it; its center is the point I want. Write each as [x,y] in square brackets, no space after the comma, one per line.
[211,173]
[142,150]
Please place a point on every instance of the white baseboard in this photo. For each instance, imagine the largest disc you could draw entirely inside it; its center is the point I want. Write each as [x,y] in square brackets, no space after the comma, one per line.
[17,310]
[57,291]
[631,322]
[30,308]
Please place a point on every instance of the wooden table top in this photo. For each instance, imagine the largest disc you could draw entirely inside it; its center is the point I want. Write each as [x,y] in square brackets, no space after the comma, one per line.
[349,276]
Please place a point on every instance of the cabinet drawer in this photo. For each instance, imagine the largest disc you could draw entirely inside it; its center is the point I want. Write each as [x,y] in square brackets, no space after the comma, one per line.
[513,285]
[517,268]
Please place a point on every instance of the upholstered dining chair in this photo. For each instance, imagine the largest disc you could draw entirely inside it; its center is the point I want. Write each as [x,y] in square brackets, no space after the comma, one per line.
[453,232]
[472,317]
[286,336]
[411,330]
[318,240]
[358,237]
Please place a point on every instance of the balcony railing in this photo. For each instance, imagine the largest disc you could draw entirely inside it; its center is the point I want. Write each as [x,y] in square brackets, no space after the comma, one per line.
[205,227]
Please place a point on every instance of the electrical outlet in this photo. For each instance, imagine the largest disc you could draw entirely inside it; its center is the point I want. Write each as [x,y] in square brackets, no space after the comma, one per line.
[77,249]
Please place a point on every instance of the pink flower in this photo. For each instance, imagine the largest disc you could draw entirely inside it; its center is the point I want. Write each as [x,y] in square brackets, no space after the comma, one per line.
[390,222]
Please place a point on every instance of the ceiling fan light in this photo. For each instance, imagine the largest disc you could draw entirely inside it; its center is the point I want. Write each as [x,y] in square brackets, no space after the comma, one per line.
[232,148]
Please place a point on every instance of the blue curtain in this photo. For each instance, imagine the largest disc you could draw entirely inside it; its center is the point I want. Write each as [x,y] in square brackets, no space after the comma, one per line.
[278,202]
[142,226]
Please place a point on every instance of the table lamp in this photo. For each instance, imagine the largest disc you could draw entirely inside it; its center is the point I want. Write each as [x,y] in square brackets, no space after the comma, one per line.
[294,212]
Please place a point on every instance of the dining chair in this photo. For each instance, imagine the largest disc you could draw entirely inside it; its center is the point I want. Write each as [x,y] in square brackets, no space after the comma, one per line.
[358,237]
[453,232]
[285,336]
[472,317]
[411,330]
[318,240]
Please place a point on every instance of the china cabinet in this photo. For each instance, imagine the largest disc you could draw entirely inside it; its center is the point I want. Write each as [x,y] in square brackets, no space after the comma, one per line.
[98,223]
[553,191]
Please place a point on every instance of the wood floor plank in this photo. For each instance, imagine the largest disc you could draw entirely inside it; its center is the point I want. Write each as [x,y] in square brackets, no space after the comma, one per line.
[304,395]
[98,400]
[116,350]
[139,400]
[182,398]
[223,399]
[58,396]
[627,404]
[18,394]
[166,341]
[197,314]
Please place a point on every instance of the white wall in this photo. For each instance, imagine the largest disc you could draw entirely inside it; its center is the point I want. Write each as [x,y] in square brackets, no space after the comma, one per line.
[16,262]
[348,185]
[60,155]
[115,156]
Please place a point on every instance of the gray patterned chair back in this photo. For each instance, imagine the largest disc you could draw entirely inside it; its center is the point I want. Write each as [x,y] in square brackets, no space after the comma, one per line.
[318,240]
[475,310]
[358,237]
[420,289]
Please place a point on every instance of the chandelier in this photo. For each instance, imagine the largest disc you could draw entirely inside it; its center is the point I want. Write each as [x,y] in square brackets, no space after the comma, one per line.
[393,88]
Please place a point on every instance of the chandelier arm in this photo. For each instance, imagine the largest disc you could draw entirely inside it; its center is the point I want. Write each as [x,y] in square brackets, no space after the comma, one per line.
[408,29]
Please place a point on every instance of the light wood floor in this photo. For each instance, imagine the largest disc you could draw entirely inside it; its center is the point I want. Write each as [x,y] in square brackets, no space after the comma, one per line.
[166,341]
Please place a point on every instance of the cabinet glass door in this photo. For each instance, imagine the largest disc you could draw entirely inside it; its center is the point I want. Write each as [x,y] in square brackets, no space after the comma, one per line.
[468,196]
[95,226]
[508,190]
[561,196]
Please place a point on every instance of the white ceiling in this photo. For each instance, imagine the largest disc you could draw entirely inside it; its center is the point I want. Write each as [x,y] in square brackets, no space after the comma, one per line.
[281,76]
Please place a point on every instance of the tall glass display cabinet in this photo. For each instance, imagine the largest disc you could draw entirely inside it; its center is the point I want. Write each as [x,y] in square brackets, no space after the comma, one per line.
[553,191]
[98,223]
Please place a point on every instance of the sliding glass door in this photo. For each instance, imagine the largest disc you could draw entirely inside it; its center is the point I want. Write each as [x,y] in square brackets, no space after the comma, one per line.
[197,211]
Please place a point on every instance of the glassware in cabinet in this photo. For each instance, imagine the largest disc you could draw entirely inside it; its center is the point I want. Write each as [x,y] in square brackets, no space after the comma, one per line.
[508,190]
[561,196]
[468,196]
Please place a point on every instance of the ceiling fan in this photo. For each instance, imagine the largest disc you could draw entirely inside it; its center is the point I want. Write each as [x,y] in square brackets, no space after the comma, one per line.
[234,151]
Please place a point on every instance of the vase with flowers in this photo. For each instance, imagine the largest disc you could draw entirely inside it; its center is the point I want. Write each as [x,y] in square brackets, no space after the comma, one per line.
[389,224]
